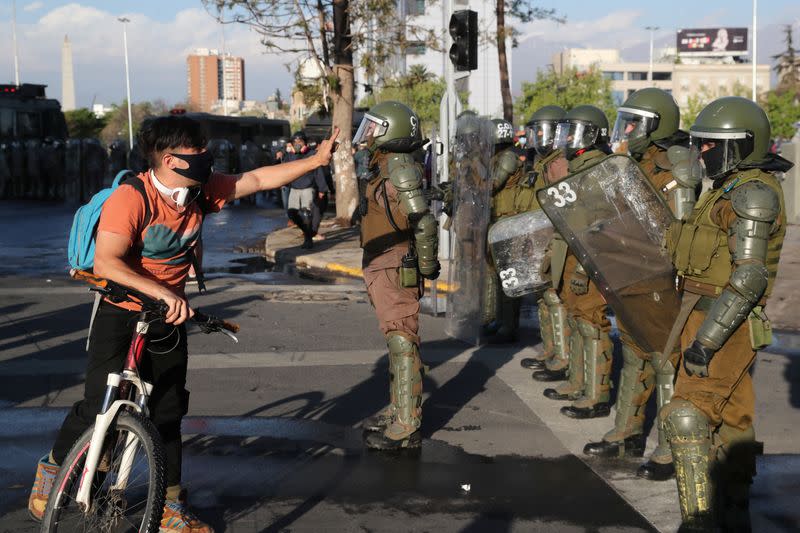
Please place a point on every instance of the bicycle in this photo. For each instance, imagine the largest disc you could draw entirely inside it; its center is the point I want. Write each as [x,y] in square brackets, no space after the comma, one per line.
[113,478]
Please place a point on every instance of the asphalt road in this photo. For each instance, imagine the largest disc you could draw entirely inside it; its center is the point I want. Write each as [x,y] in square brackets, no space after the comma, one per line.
[272,440]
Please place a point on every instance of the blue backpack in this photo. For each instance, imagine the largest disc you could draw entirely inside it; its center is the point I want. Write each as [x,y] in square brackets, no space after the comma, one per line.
[80,250]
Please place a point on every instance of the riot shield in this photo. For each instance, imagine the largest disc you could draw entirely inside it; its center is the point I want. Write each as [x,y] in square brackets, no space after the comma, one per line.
[19,174]
[518,245]
[224,155]
[472,191]
[117,157]
[94,167]
[34,187]
[614,222]
[52,163]
[5,171]
[72,169]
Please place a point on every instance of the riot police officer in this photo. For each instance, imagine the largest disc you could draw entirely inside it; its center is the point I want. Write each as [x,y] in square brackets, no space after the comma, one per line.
[399,238]
[647,126]
[548,166]
[726,253]
[583,136]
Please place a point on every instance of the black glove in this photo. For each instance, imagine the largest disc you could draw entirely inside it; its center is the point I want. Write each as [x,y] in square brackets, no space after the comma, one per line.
[696,359]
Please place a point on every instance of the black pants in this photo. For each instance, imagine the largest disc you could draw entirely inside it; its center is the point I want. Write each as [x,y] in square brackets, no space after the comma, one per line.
[110,339]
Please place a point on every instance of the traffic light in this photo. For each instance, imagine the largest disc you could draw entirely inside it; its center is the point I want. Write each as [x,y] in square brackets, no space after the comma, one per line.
[464,31]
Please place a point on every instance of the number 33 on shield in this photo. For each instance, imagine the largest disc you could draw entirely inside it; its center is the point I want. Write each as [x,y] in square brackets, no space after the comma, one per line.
[563,194]
[509,278]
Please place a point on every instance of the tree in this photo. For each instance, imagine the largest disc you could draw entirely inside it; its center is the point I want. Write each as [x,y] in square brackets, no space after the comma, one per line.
[420,90]
[568,89]
[524,11]
[82,123]
[787,66]
[117,125]
[329,32]
[783,112]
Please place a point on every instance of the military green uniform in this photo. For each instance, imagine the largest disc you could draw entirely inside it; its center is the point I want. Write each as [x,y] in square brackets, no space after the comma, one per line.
[726,254]
[399,238]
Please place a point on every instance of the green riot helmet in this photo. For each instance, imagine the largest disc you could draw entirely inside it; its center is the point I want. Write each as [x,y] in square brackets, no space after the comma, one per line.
[727,132]
[391,127]
[540,131]
[581,128]
[502,133]
[647,115]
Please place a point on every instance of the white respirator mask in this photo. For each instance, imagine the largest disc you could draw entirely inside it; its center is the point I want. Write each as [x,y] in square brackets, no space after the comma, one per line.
[182,196]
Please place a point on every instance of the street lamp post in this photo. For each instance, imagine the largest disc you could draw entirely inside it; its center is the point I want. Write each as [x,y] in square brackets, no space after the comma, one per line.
[650,71]
[755,47]
[124,21]
[14,34]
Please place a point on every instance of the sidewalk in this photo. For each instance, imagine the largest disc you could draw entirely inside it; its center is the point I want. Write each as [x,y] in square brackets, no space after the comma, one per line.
[340,254]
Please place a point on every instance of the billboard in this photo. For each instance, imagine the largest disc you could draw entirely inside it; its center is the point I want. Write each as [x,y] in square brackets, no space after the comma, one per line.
[713,41]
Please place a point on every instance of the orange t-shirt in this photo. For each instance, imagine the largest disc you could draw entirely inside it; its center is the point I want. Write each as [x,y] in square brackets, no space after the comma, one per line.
[161,251]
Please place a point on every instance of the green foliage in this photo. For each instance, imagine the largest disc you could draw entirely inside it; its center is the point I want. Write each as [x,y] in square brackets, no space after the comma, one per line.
[82,123]
[787,65]
[568,89]
[783,110]
[420,90]
[117,125]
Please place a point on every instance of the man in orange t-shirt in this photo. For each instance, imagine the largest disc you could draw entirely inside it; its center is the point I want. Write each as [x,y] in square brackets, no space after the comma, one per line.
[153,256]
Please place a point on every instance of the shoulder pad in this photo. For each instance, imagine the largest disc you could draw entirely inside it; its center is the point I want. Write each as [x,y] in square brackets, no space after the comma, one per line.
[508,161]
[676,154]
[404,172]
[756,201]
[661,159]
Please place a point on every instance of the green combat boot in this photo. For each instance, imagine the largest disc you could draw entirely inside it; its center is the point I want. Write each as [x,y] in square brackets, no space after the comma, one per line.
[597,359]
[572,389]
[635,387]
[689,438]
[659,466]
[555,368]
[546,333]
[405,389]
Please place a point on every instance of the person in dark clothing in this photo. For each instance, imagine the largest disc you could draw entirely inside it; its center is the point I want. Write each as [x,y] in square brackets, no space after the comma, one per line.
[305,192]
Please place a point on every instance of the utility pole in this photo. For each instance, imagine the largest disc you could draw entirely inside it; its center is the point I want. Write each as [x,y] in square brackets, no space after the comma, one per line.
[14,34]
[124,21]
[650,71]
[755,47]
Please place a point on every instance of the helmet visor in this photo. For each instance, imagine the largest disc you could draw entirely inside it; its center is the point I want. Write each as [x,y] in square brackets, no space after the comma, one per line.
[575,135]
[371,127]
[719,153]
[631,124]
[540,136]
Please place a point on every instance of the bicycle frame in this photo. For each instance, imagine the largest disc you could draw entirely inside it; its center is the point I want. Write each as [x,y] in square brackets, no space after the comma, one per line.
[117,396]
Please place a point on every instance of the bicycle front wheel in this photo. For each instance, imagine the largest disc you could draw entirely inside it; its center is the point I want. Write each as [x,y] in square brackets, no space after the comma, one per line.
[126,495]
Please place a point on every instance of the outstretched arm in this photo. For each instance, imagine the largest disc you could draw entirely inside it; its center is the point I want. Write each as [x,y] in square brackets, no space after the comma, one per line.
[275,176]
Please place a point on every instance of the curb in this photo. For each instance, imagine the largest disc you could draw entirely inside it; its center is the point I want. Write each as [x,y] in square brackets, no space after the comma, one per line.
[353,272]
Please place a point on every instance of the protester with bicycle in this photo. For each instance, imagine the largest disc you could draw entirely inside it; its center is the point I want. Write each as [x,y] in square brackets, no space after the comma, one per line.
[145,240]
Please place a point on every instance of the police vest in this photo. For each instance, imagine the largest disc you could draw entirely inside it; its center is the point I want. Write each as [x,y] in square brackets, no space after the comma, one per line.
[699,247]
[377,232]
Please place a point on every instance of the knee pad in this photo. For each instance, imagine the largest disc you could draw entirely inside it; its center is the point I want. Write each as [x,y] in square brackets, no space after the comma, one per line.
[683,422]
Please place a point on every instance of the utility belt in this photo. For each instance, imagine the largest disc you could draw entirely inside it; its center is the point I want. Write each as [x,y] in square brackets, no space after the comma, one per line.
[759,326]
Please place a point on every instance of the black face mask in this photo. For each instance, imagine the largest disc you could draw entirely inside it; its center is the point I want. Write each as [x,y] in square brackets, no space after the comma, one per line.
[200,166]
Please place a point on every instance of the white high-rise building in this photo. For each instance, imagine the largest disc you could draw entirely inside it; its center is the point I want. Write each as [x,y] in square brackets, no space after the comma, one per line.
[483,84]
[67,77]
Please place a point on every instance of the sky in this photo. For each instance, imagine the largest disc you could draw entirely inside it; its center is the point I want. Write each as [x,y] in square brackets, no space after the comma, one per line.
[162,33]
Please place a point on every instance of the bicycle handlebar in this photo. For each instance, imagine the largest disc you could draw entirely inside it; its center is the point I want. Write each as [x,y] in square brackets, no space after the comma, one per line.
[119,293]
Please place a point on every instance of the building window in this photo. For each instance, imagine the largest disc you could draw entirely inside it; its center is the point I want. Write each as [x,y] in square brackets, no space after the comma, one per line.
[415,7]
[637,76]
[618,97]
[662,76]
[613,76]
[415,49]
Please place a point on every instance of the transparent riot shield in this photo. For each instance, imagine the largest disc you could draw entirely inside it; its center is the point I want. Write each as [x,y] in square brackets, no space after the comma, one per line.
[225,155]
[95,161]
[518,245]
[52,164]
[614,222]
[5,171]
[73,165]
[34,188]
[472,192]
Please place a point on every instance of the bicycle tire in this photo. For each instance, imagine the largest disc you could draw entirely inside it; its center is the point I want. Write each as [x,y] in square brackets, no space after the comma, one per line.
[149,442]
